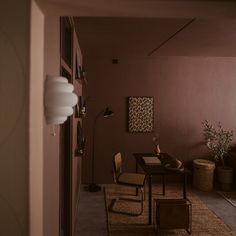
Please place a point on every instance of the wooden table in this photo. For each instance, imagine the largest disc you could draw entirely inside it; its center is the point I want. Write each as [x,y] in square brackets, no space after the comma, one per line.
[151,170]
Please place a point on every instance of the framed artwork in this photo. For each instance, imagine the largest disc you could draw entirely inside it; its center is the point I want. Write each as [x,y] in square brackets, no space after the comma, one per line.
[82,107]
[80,140]
[140,114]
[80,74]
[76,111]
[78,68]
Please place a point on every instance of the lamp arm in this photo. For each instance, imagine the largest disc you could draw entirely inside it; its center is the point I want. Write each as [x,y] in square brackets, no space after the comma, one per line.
[96,118]
[93,142]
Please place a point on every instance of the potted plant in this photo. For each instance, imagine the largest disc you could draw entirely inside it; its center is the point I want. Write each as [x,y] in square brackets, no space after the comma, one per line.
[219,141]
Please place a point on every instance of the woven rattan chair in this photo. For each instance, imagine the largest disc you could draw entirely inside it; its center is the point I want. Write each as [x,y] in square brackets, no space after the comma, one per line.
[127,179]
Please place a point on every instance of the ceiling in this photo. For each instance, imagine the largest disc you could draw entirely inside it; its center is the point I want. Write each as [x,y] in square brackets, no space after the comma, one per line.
[138,27]
[141,8]
[117,37]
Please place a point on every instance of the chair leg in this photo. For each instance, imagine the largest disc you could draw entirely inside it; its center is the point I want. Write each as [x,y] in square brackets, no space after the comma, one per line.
[136,192]
[154,215]
[144,190]
[189,230]
[111,207]
[142,199]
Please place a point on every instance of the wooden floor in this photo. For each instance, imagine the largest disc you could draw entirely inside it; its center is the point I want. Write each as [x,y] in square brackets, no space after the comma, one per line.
[92,219]
[222,208]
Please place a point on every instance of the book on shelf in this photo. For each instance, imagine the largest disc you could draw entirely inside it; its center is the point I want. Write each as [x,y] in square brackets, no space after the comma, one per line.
[152,160]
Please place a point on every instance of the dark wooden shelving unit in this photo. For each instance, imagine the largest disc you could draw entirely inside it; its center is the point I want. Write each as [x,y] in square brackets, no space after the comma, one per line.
[70,167]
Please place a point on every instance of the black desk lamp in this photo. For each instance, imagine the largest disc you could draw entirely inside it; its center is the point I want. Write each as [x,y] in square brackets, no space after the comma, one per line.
[107,113]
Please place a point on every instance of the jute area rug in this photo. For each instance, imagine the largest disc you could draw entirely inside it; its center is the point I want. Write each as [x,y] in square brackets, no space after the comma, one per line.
[204,221]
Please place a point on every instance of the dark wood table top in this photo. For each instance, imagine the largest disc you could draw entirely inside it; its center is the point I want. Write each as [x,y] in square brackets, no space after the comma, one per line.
[154,169]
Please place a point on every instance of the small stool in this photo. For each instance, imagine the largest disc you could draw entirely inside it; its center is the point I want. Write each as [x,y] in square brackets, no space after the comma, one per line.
[203,174]
[173,214]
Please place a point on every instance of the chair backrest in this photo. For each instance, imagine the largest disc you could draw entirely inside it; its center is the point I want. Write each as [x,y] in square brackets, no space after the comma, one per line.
[117,165]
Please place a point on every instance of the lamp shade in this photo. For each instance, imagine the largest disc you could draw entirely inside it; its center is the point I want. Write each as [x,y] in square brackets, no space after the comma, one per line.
[59,111]
[59,99]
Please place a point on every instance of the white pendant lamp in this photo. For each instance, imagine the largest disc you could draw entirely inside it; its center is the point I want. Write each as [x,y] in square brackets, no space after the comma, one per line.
[59,99]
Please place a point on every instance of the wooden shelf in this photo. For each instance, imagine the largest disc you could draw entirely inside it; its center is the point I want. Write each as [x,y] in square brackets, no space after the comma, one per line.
[65,66]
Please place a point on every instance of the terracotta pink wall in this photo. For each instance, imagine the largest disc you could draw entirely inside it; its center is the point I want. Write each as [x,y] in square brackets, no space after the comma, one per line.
[186,91]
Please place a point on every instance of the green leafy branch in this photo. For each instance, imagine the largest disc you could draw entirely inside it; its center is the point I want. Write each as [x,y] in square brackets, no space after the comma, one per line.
[217,140]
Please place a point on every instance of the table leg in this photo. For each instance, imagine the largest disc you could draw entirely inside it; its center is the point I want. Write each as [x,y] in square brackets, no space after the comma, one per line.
[136,168]
[185,184]
[150,200]
[163,185]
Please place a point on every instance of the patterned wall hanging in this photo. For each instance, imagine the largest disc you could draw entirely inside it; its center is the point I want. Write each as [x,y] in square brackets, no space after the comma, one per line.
[140,114]
[78,66]
[79,69]
[82,107]
[80,140]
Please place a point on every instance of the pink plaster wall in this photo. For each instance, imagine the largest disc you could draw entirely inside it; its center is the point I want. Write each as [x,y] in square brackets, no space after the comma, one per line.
[186,91]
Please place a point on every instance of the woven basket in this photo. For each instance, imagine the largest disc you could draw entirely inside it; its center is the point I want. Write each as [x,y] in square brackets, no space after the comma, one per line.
[203,174]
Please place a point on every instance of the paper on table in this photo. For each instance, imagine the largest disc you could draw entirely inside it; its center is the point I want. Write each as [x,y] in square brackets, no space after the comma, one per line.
[153,160]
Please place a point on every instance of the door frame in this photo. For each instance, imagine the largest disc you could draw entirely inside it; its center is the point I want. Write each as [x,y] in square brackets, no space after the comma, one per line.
[66,137]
